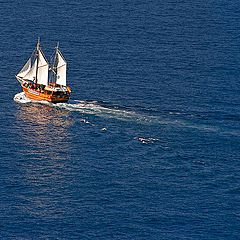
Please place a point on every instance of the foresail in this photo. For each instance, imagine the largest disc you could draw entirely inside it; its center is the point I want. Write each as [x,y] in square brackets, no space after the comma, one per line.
[31,75]
[26,68]
[61,77]
[42,74]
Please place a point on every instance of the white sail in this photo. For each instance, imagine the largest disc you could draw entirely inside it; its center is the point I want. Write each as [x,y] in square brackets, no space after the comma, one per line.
[31,75]
[26,68]
[61,70]
[42,74]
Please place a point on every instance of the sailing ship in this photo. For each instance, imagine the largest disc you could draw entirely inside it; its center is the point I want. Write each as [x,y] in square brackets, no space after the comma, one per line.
[42,81]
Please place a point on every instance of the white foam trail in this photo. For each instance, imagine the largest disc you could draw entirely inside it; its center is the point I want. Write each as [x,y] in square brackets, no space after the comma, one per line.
[88,107]
[94,108]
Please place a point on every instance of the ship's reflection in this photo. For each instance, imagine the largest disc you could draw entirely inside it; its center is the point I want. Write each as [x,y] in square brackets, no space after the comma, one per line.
[44,130]
[45,143]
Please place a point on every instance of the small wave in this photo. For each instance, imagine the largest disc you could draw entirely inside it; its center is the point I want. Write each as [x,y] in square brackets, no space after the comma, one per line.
[146,140]
[21,98]
[175,113]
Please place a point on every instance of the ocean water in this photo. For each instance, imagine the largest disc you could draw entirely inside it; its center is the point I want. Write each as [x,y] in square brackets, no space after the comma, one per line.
[148,147]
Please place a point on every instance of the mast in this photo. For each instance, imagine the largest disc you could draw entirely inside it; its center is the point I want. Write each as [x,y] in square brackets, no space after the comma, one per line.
[38,48]
[55,62]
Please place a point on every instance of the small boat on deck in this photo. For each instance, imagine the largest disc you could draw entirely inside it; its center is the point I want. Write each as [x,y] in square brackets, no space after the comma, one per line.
[42,81]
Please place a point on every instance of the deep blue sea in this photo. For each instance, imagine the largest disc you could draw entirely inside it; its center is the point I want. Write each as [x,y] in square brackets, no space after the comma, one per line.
[148,147]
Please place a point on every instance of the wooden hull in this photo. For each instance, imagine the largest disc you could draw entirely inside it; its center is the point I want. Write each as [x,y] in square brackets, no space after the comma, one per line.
[38,95]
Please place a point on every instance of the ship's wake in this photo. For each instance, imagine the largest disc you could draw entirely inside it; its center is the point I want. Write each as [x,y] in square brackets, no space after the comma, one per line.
[89,108]
[103,110]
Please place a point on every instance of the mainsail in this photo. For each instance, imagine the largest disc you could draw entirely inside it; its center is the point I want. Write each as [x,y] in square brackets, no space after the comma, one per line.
[38,71]
[60,68]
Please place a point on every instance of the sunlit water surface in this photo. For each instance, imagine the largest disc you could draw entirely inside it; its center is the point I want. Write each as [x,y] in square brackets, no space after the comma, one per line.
[148,145]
